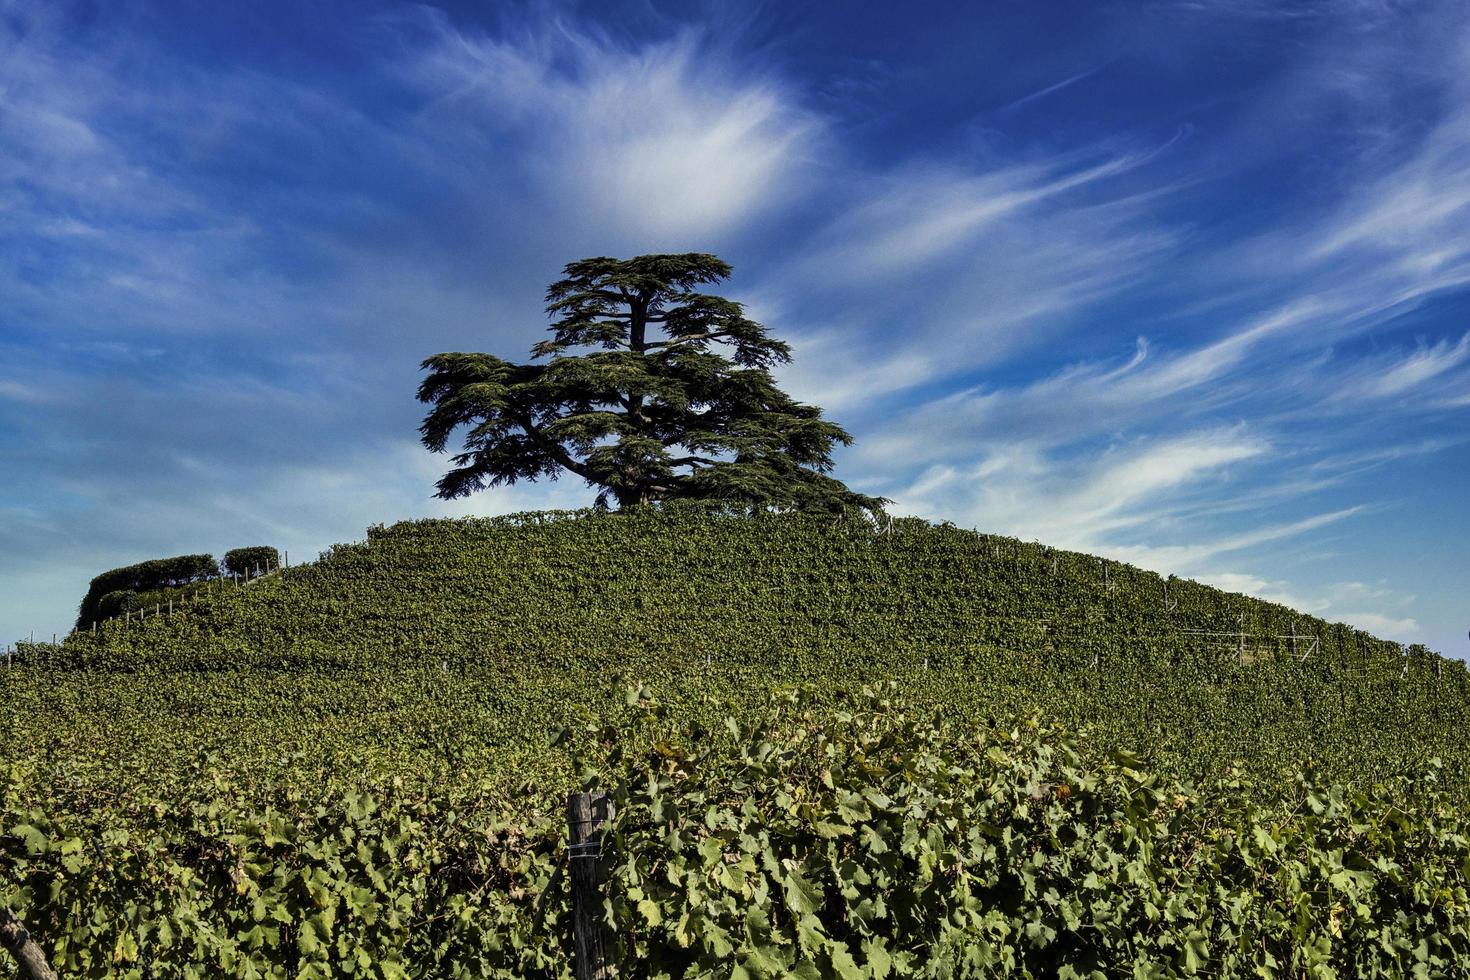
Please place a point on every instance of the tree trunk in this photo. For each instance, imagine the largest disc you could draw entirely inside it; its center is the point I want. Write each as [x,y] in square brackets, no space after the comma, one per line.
[28,955]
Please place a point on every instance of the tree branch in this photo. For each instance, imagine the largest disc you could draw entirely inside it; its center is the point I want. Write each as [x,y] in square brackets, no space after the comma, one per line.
[689,338]
[556,449]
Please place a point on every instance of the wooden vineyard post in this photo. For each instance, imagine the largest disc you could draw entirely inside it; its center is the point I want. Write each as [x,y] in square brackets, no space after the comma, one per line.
[586,815]
[28,955]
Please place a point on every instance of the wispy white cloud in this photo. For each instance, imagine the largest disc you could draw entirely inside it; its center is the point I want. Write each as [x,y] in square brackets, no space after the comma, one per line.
[930,274]
[19,391]
[1087,399]
[107,230]
[1390,236]
[1051,89]
[1415,370]
[667,141]
[918,216]
[1078,502]
[1191,559]
[1404,629]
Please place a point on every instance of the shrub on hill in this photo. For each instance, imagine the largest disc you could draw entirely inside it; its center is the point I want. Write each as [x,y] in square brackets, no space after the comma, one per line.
[118,603]
[244,561]
[144,576]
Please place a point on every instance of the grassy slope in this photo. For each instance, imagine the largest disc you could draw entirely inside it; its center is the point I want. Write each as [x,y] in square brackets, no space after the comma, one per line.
[466,642]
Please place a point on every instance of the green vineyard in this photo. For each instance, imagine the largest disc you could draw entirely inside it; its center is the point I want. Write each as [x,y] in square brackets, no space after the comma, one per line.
[355,766]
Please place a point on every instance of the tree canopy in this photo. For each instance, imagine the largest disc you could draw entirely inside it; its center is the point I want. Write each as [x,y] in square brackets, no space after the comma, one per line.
[651,391]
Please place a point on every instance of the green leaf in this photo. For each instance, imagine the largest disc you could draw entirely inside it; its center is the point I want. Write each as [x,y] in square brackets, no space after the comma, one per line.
[802,897]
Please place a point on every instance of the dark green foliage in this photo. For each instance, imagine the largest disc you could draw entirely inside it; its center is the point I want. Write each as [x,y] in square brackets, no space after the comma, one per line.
[354,759]
[870,841]
[117,603]
[674,401]
[510,616]
[144,576]
[864,840]
[246,561]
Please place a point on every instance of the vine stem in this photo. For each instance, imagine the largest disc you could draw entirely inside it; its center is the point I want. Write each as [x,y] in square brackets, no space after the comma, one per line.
[28,956]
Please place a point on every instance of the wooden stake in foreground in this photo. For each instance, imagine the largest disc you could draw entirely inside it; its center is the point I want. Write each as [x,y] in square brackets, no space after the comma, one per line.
[586,814]
[28,955]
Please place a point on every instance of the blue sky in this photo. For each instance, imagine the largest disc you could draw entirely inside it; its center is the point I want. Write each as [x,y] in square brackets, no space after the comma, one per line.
[1187,284]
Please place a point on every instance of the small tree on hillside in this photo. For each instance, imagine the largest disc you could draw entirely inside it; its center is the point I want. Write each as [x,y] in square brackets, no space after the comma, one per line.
[673,401]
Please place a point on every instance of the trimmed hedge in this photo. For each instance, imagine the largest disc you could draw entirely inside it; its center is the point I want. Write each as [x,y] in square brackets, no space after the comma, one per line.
[117,603]
[143,577]
[243,561]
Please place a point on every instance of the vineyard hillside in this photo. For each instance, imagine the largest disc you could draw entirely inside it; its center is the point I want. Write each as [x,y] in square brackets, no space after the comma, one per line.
[477,638]
[834,749]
